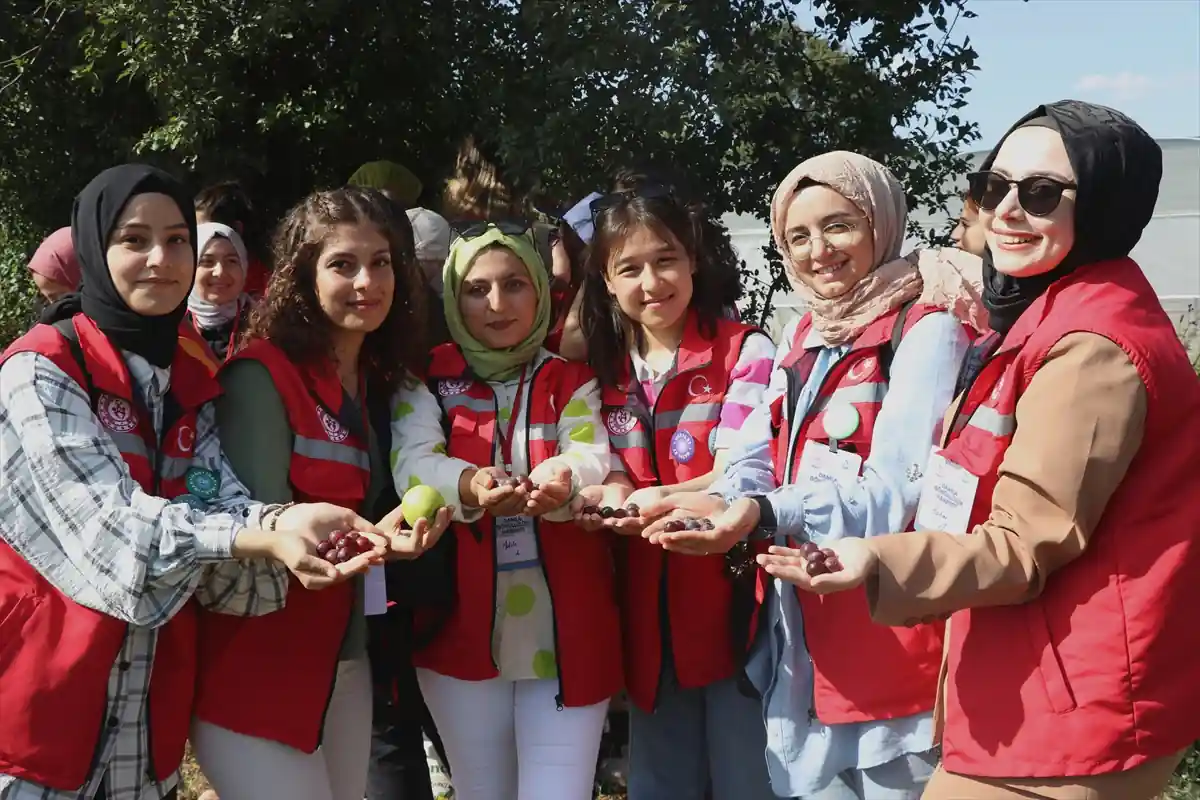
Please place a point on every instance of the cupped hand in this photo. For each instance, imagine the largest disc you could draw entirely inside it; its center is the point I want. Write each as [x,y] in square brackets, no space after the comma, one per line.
[855,556]
[407,544]
[553,490]
[495,496]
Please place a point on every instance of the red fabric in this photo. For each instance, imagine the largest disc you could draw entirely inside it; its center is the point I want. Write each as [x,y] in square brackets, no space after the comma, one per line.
[258,275]
[699,592]
[1097,673]
[846,647]
[56,655]
[577,564]
[297,646]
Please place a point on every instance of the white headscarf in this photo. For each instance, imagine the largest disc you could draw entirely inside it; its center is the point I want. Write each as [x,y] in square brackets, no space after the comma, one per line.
[431,237]
[212,315]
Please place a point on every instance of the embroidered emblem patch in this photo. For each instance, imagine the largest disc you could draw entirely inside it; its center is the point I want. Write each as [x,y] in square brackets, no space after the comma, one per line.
[203,483]
[451,388]
[861,369]
[683,447]
[619,422]
[116,414]
[193,501]
[335,430]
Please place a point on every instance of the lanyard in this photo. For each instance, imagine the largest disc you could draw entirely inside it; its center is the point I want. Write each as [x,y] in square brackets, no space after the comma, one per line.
[506,439]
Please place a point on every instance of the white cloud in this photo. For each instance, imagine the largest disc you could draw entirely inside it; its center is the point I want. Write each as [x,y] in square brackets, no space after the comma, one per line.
[1122,85]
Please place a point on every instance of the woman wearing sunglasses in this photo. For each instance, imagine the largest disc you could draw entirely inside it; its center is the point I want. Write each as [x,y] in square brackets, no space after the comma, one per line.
[519,676]
[1070,462]
[850,417]
[679,380]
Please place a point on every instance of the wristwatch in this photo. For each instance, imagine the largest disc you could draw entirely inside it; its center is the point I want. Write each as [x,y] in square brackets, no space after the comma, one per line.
[767,523]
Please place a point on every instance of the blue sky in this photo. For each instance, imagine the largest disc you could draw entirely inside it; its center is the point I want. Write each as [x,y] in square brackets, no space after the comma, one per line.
[1139,56]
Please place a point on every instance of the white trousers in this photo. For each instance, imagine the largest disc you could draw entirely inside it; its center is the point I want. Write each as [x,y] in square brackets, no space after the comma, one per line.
[247,768]
[506,740]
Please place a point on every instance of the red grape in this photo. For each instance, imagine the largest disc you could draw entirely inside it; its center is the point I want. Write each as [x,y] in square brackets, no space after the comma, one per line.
[673,526]
[591,510]
[606,512]
[633,510]
[324,547]
[336,538]
[815,568]
[619,513]
[808,548]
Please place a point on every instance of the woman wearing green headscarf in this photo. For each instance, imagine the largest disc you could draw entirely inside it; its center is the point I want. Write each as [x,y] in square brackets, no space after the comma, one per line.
[520,670]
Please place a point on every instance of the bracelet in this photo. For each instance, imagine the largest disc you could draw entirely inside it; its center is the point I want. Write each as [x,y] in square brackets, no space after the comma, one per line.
[273,511]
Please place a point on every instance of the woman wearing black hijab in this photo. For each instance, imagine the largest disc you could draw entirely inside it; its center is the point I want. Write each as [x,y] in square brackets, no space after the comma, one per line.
[1070,460]
[117,506]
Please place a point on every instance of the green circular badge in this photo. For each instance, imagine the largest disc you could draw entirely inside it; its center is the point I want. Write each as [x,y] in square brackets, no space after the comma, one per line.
[193,501]
[841,421]
[203,483]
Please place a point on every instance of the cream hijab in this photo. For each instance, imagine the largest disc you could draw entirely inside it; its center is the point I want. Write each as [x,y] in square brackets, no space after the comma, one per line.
[947,278]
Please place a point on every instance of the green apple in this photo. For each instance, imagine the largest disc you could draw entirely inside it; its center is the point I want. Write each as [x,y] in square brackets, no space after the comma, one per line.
[421,502]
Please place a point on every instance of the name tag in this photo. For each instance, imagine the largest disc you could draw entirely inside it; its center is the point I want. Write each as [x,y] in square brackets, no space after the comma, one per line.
[947,496]
[819,463]
[374,592]
[516,543]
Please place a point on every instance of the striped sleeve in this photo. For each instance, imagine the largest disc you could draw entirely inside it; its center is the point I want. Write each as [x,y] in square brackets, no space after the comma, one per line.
[747,385]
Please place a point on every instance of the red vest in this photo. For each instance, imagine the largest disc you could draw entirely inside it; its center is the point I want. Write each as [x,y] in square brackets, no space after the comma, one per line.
[298,646]
[847,649]
[56,655]
[667,444]
[577,564]
[1096,674]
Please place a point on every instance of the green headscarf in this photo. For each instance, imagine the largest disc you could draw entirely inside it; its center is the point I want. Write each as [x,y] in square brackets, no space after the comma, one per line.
[489,364]
[392,177]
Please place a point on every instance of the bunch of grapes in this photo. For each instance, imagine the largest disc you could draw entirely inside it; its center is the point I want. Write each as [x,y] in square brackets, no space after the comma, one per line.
[341,546]
[517,483]
[819,562]
[689,524]
[608,512]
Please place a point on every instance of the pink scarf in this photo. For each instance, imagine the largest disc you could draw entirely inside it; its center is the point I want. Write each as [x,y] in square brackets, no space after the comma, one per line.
[950,279]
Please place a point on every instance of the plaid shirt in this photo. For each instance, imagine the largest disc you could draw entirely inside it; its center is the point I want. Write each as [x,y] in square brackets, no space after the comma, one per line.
[69,507]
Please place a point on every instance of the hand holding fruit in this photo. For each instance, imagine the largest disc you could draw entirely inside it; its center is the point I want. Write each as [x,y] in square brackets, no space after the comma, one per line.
[493,490]
[843,565]
[720,529]
[299,532]
[424,509]
[550,491]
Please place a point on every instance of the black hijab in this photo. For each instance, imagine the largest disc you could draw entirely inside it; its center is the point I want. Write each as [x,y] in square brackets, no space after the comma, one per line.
[1118,167]
[96,211]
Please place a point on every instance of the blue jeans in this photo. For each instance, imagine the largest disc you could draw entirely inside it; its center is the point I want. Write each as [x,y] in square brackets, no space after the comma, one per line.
[697,739]
[903,778]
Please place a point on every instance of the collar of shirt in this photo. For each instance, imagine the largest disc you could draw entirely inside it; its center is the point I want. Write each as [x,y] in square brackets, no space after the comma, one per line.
[153,382]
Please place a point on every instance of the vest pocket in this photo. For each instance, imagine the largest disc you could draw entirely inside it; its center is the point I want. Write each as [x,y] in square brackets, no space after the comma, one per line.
[1049,666]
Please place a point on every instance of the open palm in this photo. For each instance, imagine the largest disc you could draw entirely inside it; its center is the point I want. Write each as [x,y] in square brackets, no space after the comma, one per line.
[857,560]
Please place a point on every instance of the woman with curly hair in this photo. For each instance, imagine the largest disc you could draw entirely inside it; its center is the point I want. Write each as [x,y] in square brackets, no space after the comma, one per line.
[339,328]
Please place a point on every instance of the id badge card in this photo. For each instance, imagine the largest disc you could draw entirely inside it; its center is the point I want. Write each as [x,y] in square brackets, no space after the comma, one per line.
[516,543]
[819,463]
[375,592]
[947,496]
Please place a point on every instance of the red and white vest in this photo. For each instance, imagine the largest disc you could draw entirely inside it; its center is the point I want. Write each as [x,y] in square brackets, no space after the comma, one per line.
[1097,673]
[577,564]
[298,646]
[846,647]
[56,655]
[660,446]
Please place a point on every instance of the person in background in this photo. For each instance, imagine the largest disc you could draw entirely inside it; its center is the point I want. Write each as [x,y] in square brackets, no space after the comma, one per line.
[969,234]
[520,672]
[325,346]
[567,255]
[396,181]
[217,306]
[120,515]
[678,380]
[229,204]
[432,236]
[54,267]
[1057,521]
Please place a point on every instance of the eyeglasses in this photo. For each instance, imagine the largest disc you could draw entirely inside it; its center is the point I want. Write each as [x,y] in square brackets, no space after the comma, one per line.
[1038,195]
[649,191]
[835,235]
[470,229]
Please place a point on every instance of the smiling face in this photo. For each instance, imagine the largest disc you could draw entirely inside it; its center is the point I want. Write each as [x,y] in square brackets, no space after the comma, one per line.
[354,279]
[1023,245]
[150,255]
[650,275]
[829,241]
[969,234]
[220,274]
[498,299]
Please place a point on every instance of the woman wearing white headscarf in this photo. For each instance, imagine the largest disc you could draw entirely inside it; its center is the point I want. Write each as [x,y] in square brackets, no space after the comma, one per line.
[856,394]
[217,306]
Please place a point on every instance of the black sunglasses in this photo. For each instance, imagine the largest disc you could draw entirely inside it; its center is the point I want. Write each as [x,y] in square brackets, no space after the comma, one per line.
[649,191]
[1038,195]
[470,229]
